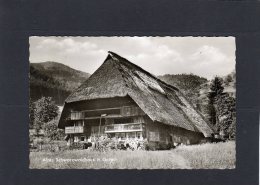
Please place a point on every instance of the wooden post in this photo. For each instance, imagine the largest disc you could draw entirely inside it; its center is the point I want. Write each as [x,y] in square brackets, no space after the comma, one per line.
[99,126]
[83,126]
[102,115]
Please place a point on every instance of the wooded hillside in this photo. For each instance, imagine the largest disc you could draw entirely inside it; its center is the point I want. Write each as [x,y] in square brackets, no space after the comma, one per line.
[52,79]
[197,90]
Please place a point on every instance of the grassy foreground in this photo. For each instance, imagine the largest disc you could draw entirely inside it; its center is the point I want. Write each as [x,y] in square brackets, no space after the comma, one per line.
[205,156]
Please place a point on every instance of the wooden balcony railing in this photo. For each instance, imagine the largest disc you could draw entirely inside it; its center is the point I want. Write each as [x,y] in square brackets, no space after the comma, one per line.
[74,130]
[129,127]
[124,111]
[77,115]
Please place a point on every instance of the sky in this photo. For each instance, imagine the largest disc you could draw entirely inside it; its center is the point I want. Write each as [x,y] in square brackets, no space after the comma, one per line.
[204,56]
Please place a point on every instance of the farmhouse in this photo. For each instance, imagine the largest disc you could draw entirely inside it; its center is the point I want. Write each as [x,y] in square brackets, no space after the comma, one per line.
[121,100]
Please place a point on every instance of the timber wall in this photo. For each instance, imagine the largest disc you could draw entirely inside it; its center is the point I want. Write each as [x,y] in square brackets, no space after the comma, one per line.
[161,134]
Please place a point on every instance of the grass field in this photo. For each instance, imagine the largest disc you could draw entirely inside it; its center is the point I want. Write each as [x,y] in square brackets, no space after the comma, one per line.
[205,156]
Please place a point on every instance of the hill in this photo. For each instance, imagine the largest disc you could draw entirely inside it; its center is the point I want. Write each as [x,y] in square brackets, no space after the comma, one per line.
[185,82]
[189,84]
[196,88]
[55,80]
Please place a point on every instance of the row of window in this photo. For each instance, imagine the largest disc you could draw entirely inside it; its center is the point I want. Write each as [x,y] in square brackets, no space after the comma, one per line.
[110,121]
[124,111]
[124,135]
[129,135]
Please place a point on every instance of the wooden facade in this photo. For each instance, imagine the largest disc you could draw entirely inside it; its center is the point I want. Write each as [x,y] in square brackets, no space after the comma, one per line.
[123,121]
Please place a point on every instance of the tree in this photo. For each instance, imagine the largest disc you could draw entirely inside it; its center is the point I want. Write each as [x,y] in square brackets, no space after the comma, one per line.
[31,114]
[232,128]
[226,115]
[211,112]
[45,110]
[52,131]
[216,89]
[221,109]
[228,79]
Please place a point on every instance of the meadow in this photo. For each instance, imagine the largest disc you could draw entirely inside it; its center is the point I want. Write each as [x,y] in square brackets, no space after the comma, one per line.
[204,156]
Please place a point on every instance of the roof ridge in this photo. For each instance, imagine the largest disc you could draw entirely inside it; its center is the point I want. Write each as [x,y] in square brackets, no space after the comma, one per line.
[117,57]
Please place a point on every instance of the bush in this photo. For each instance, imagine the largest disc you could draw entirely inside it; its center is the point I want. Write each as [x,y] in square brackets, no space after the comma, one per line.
[76,146]
[45,144]
[52,131]
[105,144]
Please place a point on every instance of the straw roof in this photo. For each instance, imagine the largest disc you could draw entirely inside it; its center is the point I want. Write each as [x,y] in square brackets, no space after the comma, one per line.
[117,77]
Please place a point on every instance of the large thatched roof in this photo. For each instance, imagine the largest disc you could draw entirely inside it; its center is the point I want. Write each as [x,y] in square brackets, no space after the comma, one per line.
[117,77]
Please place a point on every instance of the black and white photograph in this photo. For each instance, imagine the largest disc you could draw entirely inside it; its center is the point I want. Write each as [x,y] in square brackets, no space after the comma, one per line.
[132,102]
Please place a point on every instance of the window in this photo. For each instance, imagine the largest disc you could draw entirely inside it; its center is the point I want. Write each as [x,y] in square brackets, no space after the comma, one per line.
[139,135]
[82,138]
[123,120]
[79,123]
[120,135]
[111,135]
[130,135]
[95,130]
[76,139]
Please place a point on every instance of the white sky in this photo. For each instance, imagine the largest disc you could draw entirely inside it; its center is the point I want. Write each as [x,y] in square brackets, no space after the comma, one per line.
[203,56]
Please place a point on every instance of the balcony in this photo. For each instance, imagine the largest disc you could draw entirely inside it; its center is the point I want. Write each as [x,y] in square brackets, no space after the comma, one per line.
[125,111]
[129,127]
[77,115]
[74,130]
